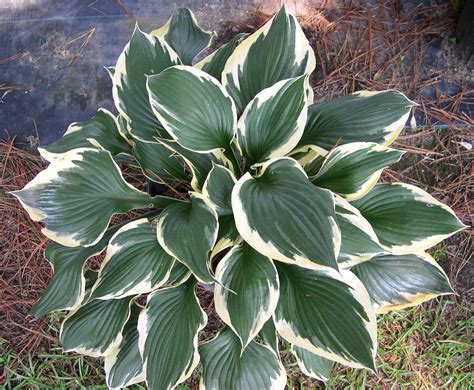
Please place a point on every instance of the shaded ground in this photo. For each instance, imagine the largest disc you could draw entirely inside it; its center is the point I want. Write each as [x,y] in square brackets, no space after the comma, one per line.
[427,347]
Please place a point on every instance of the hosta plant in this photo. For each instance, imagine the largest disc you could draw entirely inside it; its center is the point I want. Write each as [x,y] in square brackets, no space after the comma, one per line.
[270,198]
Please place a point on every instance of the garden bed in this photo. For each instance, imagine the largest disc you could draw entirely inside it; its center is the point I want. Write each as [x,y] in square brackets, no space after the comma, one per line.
[357,47]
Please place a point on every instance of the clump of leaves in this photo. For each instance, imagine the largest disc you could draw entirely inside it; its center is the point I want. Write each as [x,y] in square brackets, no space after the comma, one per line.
[281,213]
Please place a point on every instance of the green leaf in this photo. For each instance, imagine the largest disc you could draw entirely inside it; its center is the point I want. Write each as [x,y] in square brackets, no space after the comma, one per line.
[277,51]
[90,277]
[134,263]
[396,282]
[351,170]
[214,63]
[227,367]
[124,128]
[312,365]
[269,335]
[406,218]
[249,281]
[68,264]
[159,163]
[95,328]
[101,131]
[200,164]
[77,195]
[282,215]
[359,242]
[367,116]
[168,335]
[188,232]
[227,236]
[184,35]
[273,122]
[178,275]
[124,366]
[193,108]
[143,55]
[328,313]
[218,188]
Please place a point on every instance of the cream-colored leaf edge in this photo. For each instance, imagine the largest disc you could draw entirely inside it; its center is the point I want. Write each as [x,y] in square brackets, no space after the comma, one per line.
[359,292]
[161,241]
[220,300]
[391,131]
[262,97]
[305,369]
[111,349]
[252,237]
[145,285]
[414,299]
[238,58]
[277,383]
[109,362]
[205,187]
[358,220]
[163,30]
[75,127]
[120,69]
[421,245]
[143,332]
[346,150]
[63,163]
[203,77]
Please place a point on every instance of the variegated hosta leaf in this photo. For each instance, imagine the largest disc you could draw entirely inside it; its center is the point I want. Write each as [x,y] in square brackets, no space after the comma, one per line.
[95,328]
[248,293]
[200,164]
[193,108]
[328,313]
[144,55]
[366,116]
[406,218]
[124,366]
[269,335]
[90,277]
[178,275]
[78,194]
[184,35]
[188,232]
[282,215]
[110,71]
[351,170]
[124,128]
[311,364]
[68,264]
[395,282]
[273,122]
[359,241]
[135,263]
[226,366]
[168,335]
[277,51]
[101,131]
[214,63]
[218,188]
[227,236]
[159,163]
